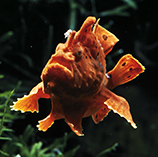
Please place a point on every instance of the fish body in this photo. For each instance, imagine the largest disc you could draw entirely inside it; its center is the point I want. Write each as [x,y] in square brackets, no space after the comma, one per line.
[76,80]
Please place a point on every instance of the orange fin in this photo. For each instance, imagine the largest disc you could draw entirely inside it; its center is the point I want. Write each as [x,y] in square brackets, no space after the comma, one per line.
[73,113]
[106,38]
[125,70]
[101,114]
[87,38]
[74,121]
[44,124]
[55,114]
[117,104]
[85,28]
[76,127]
[30,102]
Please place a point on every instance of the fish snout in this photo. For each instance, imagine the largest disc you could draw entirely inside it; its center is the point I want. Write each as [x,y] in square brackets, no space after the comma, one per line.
[61,65]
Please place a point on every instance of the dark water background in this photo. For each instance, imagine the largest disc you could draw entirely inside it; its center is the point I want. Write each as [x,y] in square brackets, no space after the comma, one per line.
[34,28]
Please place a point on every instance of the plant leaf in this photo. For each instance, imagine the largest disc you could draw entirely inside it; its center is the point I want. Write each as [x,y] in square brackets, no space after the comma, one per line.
[4,153]
[5,138]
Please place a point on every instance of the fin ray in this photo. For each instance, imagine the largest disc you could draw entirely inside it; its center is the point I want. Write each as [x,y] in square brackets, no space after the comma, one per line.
[106,38]
[75,126]
[118,104]
[125,70]
[101,114]
[30,102]
[44,124]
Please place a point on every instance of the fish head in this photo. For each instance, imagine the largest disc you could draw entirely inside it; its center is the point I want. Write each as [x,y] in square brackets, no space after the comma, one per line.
[78,66]
[73,68]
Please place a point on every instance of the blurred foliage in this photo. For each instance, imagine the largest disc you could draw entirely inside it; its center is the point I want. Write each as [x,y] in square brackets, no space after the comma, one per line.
[30,31]
[27,147]
[3,114]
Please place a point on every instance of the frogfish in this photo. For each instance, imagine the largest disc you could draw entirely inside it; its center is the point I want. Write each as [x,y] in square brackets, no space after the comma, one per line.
[77,83]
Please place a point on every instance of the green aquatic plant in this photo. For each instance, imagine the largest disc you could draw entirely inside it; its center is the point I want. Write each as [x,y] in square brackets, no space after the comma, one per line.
[17,53]
[10,143]
[5,118]
[6,36]
[81,7]
[27,146]
[16,39]
[113,147]
[37,1]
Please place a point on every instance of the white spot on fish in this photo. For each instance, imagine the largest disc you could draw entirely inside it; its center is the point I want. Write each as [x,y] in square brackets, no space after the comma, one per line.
[107,76]
[67,34]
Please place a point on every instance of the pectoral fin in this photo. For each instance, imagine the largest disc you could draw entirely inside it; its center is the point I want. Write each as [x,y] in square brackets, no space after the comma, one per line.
[30,102]
[125,70]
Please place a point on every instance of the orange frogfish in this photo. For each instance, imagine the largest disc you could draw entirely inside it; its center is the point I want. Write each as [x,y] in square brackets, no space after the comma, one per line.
[76,80]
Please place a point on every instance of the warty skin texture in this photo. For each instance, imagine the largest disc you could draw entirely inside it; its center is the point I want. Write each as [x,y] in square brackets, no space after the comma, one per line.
[76,81]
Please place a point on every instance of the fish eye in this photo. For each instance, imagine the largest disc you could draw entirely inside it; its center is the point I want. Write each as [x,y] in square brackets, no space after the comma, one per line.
[79,53]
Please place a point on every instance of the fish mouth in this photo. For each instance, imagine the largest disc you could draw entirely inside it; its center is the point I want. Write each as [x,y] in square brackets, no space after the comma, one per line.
[62,70]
